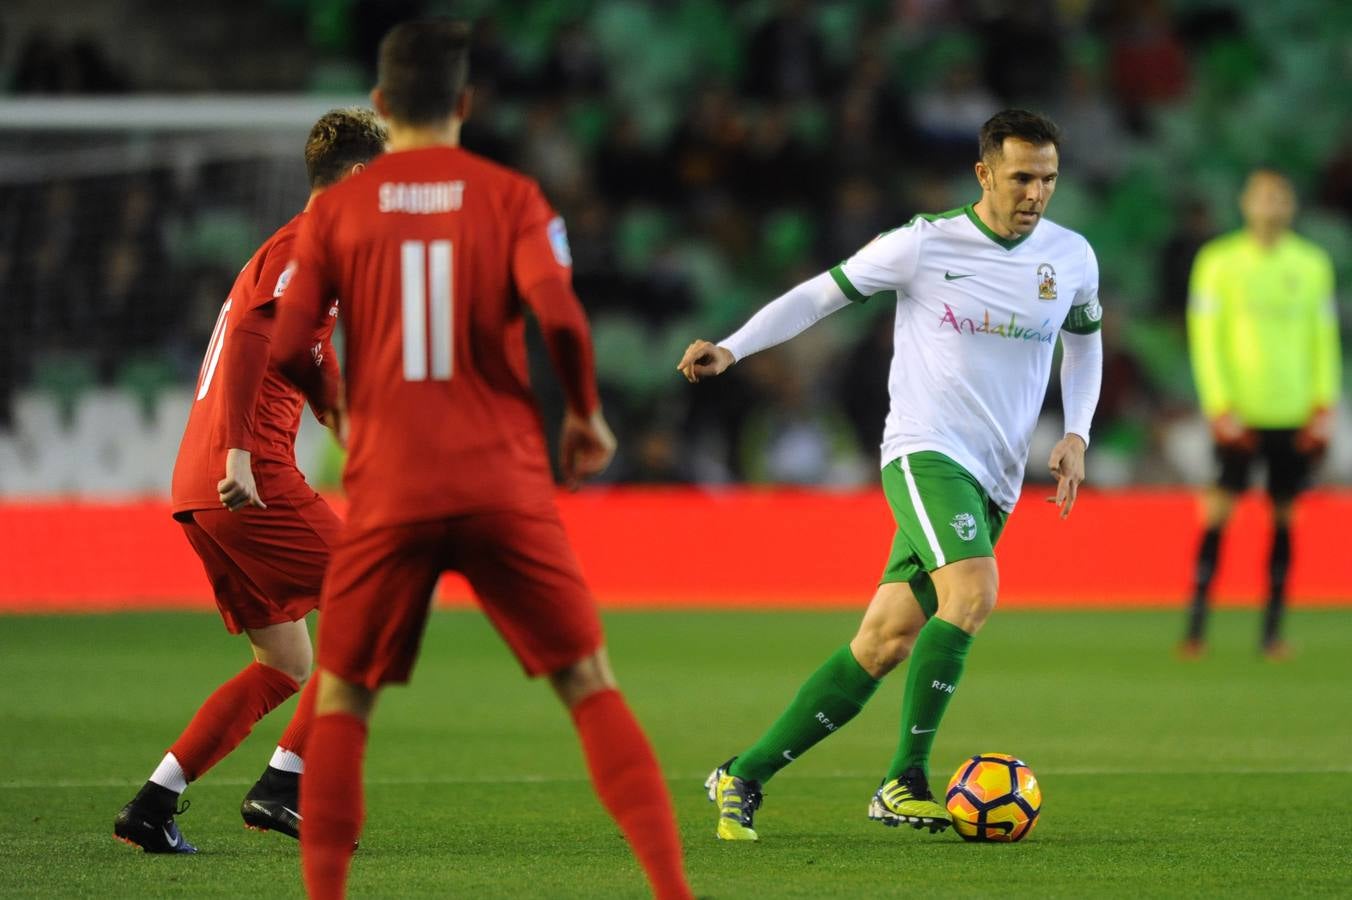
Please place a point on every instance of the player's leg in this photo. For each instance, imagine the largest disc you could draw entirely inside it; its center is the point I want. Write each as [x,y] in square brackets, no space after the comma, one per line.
[888,631]
[332,793]
[951,528]
[831,697]
[282,660]
[624,770]
[1288,475]
[376,600]
[227,716]
[1217,504]
[836,692]
[220,724]
[522,568]
[277,564]
[1279,564]
[966,592]
[273,802]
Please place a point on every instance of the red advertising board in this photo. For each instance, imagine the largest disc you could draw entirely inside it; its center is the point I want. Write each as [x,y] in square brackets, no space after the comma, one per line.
[742,547]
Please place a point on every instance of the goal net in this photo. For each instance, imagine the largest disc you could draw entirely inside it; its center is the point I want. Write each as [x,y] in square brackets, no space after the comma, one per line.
[123,223]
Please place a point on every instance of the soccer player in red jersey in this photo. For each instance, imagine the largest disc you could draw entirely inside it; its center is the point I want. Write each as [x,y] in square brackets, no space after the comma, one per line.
[434,253]
[262,533]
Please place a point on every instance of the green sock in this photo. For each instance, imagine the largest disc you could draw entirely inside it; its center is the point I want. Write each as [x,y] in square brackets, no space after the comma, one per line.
[832,696]
[936,665]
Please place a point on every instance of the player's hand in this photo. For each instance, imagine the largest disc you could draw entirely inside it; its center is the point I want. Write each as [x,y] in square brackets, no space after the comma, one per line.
[1313,437]
[704,359]
[1067,467]
[237,489]
[1227,431]
[586,447]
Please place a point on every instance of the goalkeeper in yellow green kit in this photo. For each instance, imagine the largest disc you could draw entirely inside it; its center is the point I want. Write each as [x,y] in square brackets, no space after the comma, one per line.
[1263,331]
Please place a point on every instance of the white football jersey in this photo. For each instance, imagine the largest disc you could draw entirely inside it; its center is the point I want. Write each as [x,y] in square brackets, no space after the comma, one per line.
[977,320]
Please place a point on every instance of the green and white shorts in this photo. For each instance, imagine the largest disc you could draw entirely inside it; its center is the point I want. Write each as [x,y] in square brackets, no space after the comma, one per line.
[942,514]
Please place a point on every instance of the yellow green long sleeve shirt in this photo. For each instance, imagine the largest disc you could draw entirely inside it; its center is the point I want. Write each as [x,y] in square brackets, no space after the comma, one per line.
[1263,330]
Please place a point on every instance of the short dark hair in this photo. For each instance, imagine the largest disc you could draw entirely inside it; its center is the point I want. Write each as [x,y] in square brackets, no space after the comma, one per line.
[341,139]
[1027,126]
[422,69]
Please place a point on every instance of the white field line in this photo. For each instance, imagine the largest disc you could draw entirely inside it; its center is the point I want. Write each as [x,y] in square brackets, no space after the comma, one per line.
[76,784]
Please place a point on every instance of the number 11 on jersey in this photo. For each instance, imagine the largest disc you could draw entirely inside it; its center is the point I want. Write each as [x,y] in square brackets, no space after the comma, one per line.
[426,274]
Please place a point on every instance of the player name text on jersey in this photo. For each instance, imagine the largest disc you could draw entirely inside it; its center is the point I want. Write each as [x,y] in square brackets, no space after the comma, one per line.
[422,198]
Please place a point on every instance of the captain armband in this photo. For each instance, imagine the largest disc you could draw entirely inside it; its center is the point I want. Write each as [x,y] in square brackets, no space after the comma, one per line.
[1086,318]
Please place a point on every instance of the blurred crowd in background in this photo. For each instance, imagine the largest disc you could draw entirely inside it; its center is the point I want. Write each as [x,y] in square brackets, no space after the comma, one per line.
[706,156]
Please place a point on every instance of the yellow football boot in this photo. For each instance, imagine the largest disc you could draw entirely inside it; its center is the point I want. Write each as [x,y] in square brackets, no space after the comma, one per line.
[907,799]
[737,800]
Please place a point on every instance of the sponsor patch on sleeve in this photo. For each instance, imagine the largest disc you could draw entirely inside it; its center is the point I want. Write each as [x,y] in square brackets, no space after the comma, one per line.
[284,280]
[558,241]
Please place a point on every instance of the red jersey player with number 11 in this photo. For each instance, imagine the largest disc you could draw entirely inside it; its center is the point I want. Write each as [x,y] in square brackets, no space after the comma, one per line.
[432,252]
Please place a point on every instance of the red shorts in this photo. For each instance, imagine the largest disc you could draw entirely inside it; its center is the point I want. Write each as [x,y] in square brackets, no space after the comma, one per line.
[519,564]
[265,565]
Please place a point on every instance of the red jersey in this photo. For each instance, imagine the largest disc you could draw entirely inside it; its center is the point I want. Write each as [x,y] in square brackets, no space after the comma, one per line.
[242,401]
[432,253]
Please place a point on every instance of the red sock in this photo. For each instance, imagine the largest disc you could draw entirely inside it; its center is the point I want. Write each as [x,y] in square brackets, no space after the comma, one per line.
[298,729]
[228,715]
[331,796]
[629,783]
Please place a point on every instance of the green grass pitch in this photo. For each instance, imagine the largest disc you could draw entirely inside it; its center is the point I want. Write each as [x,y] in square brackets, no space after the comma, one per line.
[1224,777]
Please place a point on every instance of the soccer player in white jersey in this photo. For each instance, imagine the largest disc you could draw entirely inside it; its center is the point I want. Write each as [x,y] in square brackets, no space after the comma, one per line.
[982,294]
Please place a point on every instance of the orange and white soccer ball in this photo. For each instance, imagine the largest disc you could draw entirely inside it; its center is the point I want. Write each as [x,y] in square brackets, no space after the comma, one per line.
[994,797]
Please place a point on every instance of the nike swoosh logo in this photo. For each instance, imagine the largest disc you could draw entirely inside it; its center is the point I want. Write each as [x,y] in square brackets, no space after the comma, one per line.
[172,839]
[949,276]
[263,809]
[789,756]
[915,730]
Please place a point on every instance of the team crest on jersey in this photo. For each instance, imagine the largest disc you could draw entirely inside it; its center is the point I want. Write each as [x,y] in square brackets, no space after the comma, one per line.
[284,280]
[965,525]
[1046,282]
[558,240]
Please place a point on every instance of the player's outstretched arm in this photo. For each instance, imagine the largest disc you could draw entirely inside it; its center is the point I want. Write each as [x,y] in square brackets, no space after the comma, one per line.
[784,317]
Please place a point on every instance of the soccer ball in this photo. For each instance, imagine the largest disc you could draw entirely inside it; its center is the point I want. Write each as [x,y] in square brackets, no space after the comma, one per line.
[994,797]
